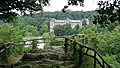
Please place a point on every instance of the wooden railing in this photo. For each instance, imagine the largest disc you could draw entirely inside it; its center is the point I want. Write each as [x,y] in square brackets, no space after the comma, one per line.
[77,46]
[79,40]
[80,49]
[44,40]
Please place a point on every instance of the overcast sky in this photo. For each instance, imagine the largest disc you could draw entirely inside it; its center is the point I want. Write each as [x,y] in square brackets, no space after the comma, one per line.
[57,5]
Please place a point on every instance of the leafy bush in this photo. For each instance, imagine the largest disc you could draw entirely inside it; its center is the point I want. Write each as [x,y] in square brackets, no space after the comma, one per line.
[112,61]
[9,53]
[104,41]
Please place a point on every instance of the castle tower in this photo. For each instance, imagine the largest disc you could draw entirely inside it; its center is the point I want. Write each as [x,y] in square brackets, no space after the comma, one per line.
[52,24]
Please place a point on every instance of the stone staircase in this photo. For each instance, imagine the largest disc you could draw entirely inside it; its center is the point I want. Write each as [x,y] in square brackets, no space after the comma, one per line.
[50,57]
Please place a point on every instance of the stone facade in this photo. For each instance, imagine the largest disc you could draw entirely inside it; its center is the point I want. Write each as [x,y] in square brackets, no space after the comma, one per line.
[73,23]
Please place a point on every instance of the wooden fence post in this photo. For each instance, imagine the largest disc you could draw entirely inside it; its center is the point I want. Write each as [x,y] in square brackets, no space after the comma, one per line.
[66,45]
[74,50]
[80,54]
[12,66]
[103,63]
[94,59]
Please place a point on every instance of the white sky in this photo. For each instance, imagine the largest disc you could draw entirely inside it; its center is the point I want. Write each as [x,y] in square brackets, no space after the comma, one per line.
[57,5]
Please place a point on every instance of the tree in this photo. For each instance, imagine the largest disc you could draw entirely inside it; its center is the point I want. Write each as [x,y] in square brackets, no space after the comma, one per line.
[73,2]
[9,36]
[44,29]
[24,6]
[24,28]
[5,33]
[47,35]
[109,12]
[67,29]
[61,30]
[58,30]
[30,31]
[11,32]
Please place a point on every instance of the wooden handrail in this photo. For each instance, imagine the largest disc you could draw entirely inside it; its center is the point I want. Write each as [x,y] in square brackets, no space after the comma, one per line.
[97,57]
[97,54]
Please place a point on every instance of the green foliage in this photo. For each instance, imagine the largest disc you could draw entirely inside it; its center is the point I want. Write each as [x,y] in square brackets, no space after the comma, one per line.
[108,13]
[73,2]
[20,49]
[41,20]
[27,6]
[108,42]
[9,53]
[44,29]
[87,62]
[112,61]
[58,30]
[24,29]
[61,30]
[30,6]
[5,33]
[10,35]
[113,25]
[30,31]
[90,31]
[74,15]
[47,35]
[4,55]
[105,41]
[41,23]
[67,29]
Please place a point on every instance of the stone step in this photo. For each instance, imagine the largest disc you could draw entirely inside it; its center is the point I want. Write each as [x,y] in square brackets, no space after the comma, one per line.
[51,57]
[5,66]
[47,55]
[63,63]
[47,63]
[52,53]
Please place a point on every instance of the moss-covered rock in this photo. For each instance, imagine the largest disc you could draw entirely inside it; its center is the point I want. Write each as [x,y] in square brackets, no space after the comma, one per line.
[51,57]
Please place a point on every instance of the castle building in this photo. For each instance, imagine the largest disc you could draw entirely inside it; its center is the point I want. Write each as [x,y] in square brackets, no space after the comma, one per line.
[73,23]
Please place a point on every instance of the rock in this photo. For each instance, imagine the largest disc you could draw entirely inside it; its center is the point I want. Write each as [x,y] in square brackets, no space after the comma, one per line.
[53,52]
[5,66]
[50,57]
